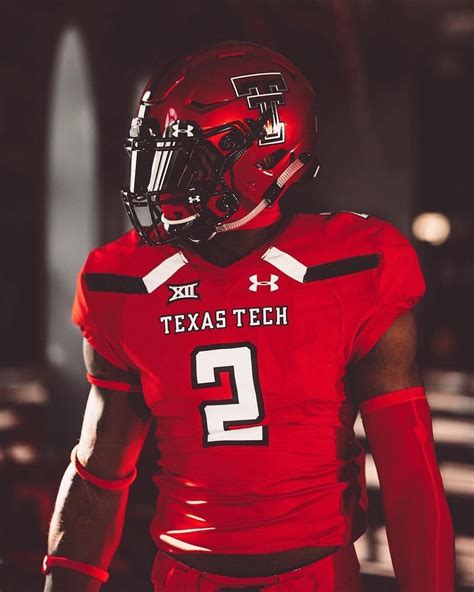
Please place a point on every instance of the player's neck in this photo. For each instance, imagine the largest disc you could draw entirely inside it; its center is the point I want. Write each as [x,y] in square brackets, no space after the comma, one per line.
[227,247]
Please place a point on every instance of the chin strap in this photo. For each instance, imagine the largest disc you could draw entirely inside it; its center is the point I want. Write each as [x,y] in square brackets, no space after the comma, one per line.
[290,170]
[92,571]
[245,220]
[269,197]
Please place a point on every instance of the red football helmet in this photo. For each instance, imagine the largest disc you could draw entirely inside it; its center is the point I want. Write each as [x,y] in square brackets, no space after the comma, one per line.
[219,137]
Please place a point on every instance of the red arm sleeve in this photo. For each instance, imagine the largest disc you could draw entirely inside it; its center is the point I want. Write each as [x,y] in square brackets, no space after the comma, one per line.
[399,286]
[419,527]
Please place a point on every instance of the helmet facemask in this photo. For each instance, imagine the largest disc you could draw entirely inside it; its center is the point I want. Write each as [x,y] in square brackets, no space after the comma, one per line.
[177,187]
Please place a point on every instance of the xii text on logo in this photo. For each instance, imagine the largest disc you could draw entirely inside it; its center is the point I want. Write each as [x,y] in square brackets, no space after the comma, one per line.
[183,291]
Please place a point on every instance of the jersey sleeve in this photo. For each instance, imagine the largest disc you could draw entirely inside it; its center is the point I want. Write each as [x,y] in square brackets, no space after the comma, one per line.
[94,316]
[399,286]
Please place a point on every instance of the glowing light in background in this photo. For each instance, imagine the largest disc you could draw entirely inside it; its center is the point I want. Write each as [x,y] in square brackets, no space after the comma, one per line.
[22,453]
[8,419]
[71,227]
[432,227]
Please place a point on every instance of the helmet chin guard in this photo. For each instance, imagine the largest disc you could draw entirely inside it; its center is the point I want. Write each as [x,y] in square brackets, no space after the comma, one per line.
[218,138]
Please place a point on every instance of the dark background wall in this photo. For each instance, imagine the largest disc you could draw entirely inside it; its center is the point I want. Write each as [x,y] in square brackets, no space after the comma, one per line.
[395,95]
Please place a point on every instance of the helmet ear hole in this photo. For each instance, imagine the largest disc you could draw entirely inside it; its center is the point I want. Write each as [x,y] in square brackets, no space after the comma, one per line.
[271,160]
[232,141]
[221,204]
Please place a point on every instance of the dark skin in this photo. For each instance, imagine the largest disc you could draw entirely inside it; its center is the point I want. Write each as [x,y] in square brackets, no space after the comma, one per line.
[87,521]
[114,429]
[227,247]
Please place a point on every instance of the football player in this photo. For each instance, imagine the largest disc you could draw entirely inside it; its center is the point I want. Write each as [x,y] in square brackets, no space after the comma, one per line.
[249,340]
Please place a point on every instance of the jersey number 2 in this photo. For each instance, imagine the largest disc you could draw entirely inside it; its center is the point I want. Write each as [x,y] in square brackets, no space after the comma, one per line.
[245,408]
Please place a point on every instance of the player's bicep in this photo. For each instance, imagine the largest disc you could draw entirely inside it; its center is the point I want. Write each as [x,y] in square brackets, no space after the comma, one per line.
[115,422]
[102,373]
[390,365]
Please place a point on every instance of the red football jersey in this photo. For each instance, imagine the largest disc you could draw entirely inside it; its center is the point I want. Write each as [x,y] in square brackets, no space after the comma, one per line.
[244,369]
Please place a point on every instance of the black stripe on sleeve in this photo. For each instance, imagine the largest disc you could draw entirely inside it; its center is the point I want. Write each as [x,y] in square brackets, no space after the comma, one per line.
[111,282]
[341,267]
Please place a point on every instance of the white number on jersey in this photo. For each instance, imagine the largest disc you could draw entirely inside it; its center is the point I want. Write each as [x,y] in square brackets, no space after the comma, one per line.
[246,406]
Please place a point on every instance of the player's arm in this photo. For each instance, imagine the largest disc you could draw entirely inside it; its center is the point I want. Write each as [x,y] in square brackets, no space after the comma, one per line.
[88,519]
[388,386]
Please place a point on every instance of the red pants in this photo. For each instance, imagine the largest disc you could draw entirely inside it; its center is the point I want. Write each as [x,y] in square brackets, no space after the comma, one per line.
[338,572]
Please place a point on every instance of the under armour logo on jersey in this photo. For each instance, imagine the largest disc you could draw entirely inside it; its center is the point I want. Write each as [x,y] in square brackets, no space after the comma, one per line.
[195,199]
[183,292]
[181,128]
[264,91]
[272,283]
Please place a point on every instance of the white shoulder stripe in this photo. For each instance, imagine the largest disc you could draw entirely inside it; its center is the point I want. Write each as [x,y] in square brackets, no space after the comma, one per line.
[285,263]
[162,272]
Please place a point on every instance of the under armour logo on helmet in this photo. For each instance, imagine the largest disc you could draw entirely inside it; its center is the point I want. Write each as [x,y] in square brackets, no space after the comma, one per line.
[272,283]
[264,91]
[177,129]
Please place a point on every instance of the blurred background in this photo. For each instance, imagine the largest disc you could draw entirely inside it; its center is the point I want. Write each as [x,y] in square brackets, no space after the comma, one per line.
[394,81]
